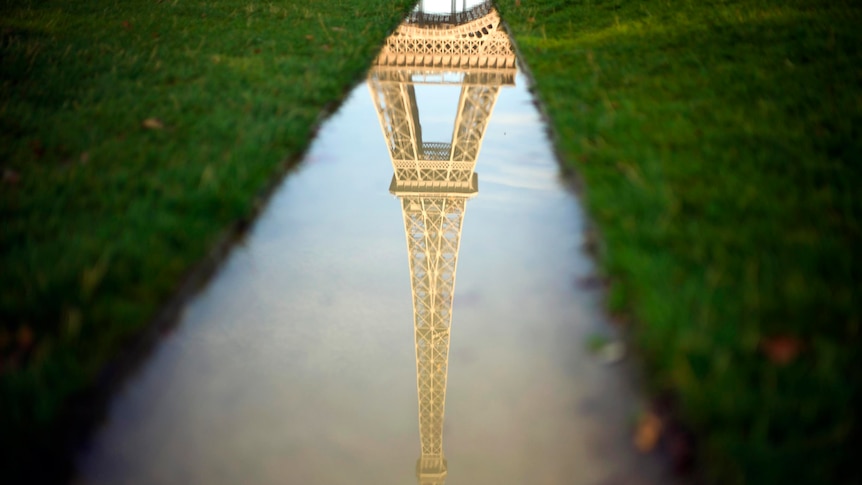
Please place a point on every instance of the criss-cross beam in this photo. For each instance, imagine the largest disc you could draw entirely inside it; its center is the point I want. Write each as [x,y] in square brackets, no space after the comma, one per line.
[434,180]
[479,56]
[433,227]
[479,43]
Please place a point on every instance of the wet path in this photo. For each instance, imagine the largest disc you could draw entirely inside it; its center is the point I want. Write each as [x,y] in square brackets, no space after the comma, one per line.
[298,363]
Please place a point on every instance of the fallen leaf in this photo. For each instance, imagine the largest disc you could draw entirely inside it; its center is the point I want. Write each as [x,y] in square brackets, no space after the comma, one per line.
[648,432]
[153,124]
[127,25]
[25,337]
[781,349]
[11,177]
[309,37]
[37,148]
[517,3]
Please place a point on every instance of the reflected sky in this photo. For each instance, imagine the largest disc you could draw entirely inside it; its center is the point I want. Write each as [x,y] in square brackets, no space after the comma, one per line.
[445,6]
[302,361]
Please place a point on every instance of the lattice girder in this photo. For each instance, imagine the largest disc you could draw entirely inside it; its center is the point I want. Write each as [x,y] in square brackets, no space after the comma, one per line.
[433,229]
[444,76]
[434,180]
[399,119]
[414,160]
[480,43]
[474,111]
[436,19]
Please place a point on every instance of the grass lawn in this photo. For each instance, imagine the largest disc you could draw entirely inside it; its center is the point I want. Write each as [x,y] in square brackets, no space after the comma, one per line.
[720,146]
[131,135]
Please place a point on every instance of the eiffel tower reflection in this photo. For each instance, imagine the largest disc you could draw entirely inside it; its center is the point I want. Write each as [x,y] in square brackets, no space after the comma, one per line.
[434,180]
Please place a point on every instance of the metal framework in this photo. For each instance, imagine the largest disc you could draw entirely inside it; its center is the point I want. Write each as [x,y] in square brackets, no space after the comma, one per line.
[419,16]
[434,180]
[478,43]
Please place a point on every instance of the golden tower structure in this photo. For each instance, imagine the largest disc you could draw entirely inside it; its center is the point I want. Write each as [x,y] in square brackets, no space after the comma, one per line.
[434,180]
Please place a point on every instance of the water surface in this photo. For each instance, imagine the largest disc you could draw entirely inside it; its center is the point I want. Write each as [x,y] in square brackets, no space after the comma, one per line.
[336,344]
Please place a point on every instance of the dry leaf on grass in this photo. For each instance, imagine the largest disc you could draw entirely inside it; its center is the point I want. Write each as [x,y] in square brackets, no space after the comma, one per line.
[153,124]
[37,148]
[781,349]
[11,177]
[25,337]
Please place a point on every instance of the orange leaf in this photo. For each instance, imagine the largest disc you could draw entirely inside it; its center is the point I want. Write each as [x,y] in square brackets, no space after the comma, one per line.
[781,349]
[25,337]
[11,177]
[648,432]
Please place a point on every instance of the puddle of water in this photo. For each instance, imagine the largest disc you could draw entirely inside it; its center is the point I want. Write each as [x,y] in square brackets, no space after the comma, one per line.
[327,349]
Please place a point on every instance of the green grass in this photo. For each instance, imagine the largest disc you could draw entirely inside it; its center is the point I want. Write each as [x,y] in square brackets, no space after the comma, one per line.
[720,146]
[100,215]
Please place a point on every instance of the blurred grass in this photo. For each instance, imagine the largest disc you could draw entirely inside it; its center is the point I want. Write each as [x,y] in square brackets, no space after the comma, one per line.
[720,145]
[103,212]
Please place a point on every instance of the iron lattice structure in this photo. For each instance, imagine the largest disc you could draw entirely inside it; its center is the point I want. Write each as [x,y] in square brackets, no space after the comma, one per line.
[433,226]
[477,43]
[434,180]
[419,16]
